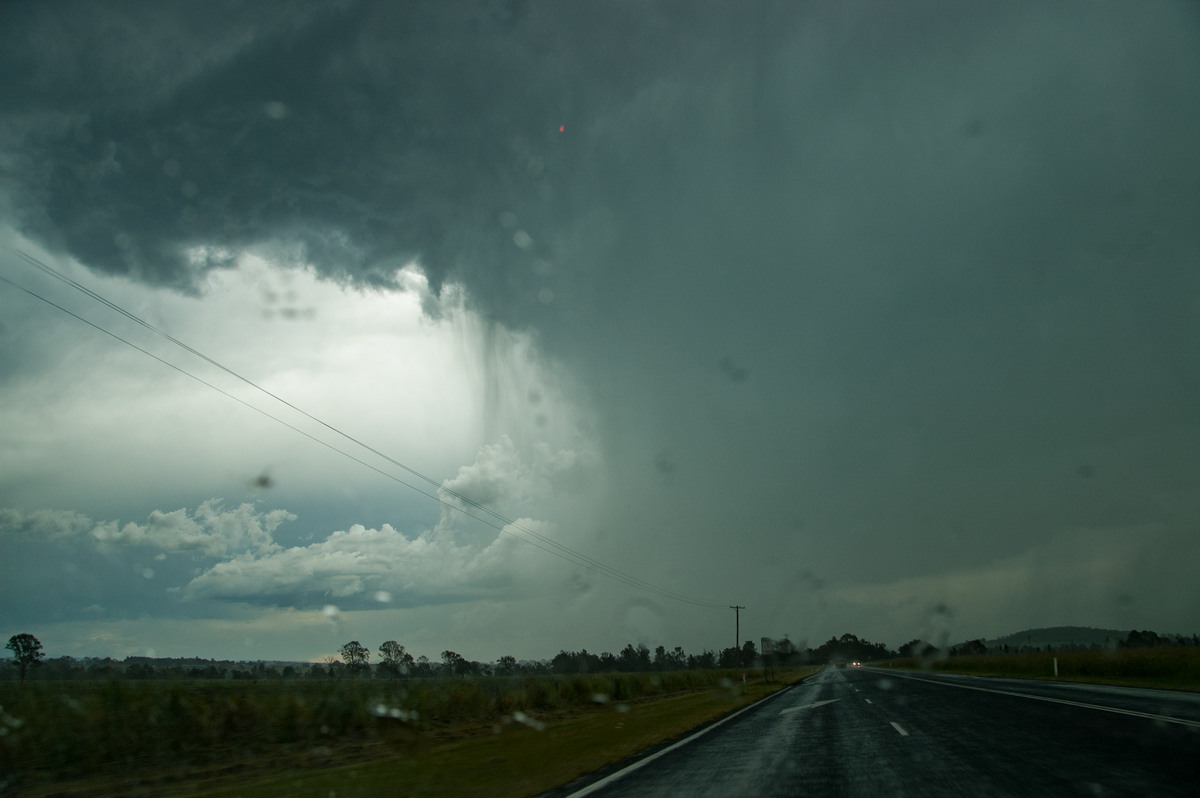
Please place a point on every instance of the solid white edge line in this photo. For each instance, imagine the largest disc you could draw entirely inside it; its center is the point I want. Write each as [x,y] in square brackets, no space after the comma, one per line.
[1131,712]
[896,726]
[625,771]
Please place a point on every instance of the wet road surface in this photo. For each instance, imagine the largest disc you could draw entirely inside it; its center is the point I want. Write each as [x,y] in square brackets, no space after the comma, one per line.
[863,731]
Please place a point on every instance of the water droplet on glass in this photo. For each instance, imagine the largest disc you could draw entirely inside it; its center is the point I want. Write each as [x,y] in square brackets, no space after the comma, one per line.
[533,723]
[331,612]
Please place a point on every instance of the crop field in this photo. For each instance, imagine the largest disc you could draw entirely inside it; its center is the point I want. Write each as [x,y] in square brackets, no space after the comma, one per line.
[69,738]
[1171,668]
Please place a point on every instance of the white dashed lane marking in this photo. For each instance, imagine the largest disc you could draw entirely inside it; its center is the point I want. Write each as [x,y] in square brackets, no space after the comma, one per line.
[809,706]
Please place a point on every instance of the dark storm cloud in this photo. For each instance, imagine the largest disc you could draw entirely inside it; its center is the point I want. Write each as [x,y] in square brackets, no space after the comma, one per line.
[157,140]
[868,283]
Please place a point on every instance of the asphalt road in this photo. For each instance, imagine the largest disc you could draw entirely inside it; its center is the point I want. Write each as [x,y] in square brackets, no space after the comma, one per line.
[862,731]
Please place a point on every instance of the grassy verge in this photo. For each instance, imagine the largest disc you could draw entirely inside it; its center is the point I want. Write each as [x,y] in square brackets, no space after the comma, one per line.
[518,761]
[432,737]
[1165,668]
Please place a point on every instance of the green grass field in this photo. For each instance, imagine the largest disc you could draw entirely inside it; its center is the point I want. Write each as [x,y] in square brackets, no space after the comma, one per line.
[1170,668]
[157,737]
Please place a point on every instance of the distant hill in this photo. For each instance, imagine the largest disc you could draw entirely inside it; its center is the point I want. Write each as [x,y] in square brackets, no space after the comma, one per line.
[1060,636]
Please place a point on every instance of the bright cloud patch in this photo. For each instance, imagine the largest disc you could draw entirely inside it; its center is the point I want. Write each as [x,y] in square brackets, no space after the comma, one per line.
[461,558]
[211,529]
[357,566]
[504,479]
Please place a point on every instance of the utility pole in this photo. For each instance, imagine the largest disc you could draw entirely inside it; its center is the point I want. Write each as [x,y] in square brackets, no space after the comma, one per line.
[737,624]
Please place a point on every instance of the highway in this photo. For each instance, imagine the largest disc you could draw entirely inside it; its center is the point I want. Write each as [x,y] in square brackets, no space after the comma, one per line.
[864,731]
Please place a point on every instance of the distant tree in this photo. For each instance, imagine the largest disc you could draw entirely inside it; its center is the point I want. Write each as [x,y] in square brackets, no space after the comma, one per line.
[669,660]
[749,654]
[850,648]
[355,655]
[506,665]
[915,648]
[319,670]
[1143,639]
[394,659]
[61,668]
[633,659]
[139,670]
[563,661]
[971,648]
[27,651]
[583,661]
[456,664]
[105,669]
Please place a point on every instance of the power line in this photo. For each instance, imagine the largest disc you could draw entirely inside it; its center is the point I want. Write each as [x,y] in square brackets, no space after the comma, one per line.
[549,546]
[580,559]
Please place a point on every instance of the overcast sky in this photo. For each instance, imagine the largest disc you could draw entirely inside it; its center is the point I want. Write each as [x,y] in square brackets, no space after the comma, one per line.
[872,317]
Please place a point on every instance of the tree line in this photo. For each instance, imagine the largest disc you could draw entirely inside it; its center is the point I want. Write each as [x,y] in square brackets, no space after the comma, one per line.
[391,660]
[979,647]
[395,661]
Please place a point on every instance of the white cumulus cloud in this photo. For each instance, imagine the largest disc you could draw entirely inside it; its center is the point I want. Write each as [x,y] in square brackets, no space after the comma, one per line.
[510,482]
[358,565]
[210,529]
[460,559]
